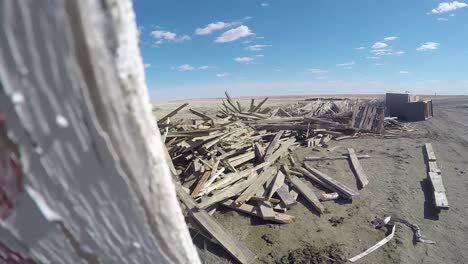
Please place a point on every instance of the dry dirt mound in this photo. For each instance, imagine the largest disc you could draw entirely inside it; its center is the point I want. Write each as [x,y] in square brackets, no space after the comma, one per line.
[332,253]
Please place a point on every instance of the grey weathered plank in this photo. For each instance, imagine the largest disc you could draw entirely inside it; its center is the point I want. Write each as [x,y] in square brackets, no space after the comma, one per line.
[214,229]
[344,190]
[255,211]
[272,146]
[361,175]
[429,152]
[286,196]
[266,210]
[225,194]
[257,183]
[344,157]
[308,193]
[278,181]
[171,114]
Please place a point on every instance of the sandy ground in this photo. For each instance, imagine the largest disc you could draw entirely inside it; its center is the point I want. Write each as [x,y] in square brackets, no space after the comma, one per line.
[397,187]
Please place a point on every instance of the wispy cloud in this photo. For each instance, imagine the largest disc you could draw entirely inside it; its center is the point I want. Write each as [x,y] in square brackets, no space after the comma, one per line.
[404,72]
[428,46]
[259,55]
[379,45]
[442,19]
[317,71]
[166,36]
[244,59]
[360,48]
[264,4]
[222,75]
[212,27]
[188,67]
[390,38]
[257,47]
[346,64]
[234,34]
[448,7]
[147,65]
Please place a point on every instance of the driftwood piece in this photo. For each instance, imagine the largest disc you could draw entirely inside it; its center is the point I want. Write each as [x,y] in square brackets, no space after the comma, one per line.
[344,157]
[357,168]
[344,190]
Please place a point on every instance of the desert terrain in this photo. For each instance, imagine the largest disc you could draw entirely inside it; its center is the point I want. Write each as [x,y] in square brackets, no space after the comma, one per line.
[397,187]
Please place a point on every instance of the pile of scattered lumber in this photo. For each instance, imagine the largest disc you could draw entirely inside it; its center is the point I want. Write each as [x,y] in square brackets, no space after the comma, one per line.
[241,158]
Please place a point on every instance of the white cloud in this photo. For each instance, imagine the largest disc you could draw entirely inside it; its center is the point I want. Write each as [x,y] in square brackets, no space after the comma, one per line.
[428,46]
[404,72]
[188,67]
[372,58]
[360,48]
[452,15]
[317,71]
[264,4]
[212,27]
[167,36]
[259,55]
[257,47]
[447,7]
[244,59]
[234,34]
[185,67]
[346,64]
[221,75]
[398,53]
[390,38]
[147,65]
[379,45]
[442,19]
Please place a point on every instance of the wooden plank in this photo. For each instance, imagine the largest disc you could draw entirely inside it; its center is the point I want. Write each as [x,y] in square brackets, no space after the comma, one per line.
[243,158]
[259,153]
[257,183]
[266,210]
[344,157]
[260,105]
[255,211]
[429,152]
[252,105]
[200,114]
[363,117]
[358,170]
[344,190]
[239,106]
[229,100]
[273,145]
[282,150]
[277,182]
[285,196]
[162,120]
[308,193]
[345,137]
[294,194]
[214,229]
[201,183]
[226,193]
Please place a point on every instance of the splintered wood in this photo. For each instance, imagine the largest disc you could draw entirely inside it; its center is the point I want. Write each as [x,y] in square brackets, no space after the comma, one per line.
[237,158]
[435,178]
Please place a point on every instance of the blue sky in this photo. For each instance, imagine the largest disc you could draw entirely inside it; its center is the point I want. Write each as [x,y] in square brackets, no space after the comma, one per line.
[196,49]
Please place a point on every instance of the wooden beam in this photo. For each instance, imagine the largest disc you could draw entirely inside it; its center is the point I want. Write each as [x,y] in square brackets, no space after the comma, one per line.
[266,210]
[225,194]
[255,211]
[336,185]
[344,157]
[358,170]
[430,152]
[229,100]
[435,177]
[257,183]
[260,105]
[277,182]
[200,114]
[201,183]
[214,229]
[273,145]
[285,196]
[308,193]
[172,113]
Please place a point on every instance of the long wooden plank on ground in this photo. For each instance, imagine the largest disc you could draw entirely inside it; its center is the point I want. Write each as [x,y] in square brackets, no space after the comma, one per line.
[430,152]
[257,183]
[344,157]
[315,179]
[255,211]
[278,181]
[162,120]
[201,183]
[361,175]
[344,190]
[435,177]
[308,193]
[214,229]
